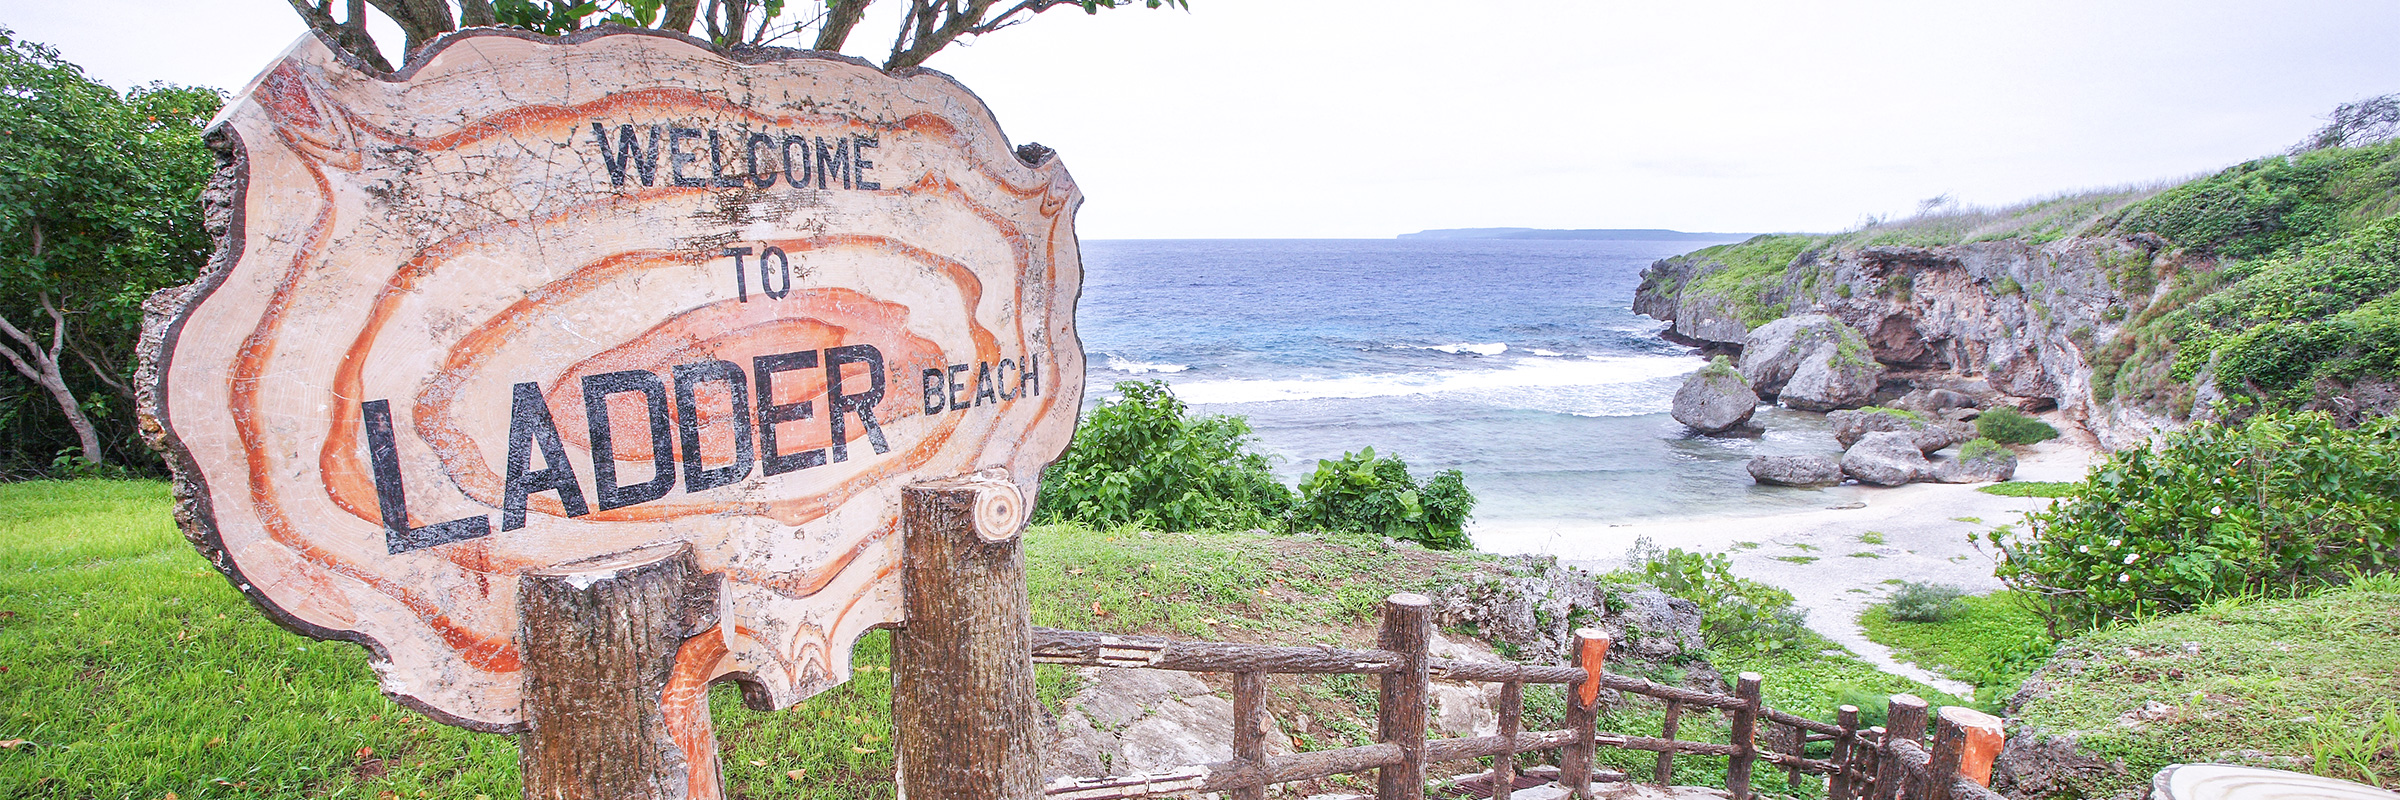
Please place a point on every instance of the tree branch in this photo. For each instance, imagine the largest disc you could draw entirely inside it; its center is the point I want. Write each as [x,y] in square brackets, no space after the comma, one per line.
[472,13]
[840,17]
[351,37]
[679,15]
[106,377]
[421,20]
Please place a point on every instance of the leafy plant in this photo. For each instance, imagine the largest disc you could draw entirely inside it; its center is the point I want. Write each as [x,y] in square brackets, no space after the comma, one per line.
[1736,613]
[2282,502]
[2049,489]
[2009,426]
[1366,493]
[1140,459]
[1917,601]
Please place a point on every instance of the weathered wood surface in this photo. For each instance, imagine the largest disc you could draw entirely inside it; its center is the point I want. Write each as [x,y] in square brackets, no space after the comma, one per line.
[1745,736]
[1904,724]
[1983,734]
[536,300]
[1512,719]
[1400,701]
[1575,761]
[601,639]
[1663,773]
[963,709]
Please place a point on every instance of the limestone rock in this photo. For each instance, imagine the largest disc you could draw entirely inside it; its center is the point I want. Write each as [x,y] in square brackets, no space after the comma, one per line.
[1796,470]
[1810,362]
[1715,399]
[1983,465]
[1849,426]
[1533,604]
[1143,720]
[2036,764]
[1464,708]
[1933,401]
[1886,458]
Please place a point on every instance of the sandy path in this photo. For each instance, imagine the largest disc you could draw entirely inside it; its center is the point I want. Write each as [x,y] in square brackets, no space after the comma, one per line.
[1825,558]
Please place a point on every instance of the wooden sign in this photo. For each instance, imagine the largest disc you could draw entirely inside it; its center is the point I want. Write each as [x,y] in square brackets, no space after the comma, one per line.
[537,301]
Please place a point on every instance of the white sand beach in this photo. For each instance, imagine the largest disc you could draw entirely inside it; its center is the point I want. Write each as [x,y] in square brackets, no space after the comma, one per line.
[1929,532]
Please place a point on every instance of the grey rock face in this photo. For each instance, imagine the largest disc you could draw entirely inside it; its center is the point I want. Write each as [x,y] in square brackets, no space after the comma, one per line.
[1143,720]
[1886,458]
[1714,399]
[1536,605]
[1985,467]
[1933,401]
[2036,764]
[1810,362]
[1796,470]
[1850,426]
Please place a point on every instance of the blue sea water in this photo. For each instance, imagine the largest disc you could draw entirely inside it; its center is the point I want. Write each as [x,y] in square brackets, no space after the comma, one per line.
[1519,362]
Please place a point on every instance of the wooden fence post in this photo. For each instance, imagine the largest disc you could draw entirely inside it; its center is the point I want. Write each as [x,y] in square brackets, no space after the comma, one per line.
[1664,773]
[1949,746]
[1904,721]
[1795,746]
[1979,740]
[1512,720]
[1745,736]
[963,707]
[598,639]
[1400,705]
[1583,711]
[1838,787]
[1870,764]
[1250,729]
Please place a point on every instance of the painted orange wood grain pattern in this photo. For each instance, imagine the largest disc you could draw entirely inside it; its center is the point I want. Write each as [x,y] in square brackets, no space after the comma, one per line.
[637,228]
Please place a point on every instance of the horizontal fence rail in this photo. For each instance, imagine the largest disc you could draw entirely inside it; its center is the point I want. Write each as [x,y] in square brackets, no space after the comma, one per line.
[1886,763]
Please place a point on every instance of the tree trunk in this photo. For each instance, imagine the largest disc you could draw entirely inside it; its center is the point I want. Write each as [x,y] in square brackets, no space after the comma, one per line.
[41,366]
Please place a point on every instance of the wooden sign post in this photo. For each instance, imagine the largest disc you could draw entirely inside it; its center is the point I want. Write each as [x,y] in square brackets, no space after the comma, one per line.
[571,375]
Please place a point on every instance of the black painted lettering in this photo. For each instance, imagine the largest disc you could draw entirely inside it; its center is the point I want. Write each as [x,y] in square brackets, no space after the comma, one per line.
[957,387]
[859,144]
[676,157]
[741,274]
[716,163]
[771,413]
[862,404]
[688,378]
[783,266]
[645,162]
[391,498]
[596,391]
[1029,380]
[1008,366]
[530,425]
[798,180]
[983,383]
[936,391]
[833,161]
[761,178]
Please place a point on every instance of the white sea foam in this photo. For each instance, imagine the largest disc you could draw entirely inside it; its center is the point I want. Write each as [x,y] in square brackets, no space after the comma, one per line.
[1128,365]
[1588,386]
[1545,353]
[1491,349]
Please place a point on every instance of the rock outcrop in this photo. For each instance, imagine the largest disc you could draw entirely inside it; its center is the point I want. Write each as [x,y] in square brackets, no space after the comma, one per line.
[1535,604]
[1715,399]
[1849,426]
[1886,458]
[1811,362]
[1143,720]
[1810,471]
[1988,463]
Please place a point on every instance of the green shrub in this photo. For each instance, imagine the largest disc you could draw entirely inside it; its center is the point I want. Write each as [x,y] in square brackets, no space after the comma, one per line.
[1924,602]
[1736,614]
[2009,426]
[2280,503]
[1980,448]
[1139,459]
[1364,493]
[2048,489]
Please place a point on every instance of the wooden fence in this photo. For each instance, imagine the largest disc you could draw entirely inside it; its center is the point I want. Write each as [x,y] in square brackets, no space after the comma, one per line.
[1883,763]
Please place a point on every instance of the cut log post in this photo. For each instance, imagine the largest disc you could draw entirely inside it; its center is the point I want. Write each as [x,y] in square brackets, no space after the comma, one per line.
[598,640]
[1984,739]
[1845,759]
[1870,764]
[1904,722]
[1795,744]
[1745,736]
[963,706]
[1512,721]
[1250,728]
[1400,705]
[1664,774]
[1941,769]
[1583,711]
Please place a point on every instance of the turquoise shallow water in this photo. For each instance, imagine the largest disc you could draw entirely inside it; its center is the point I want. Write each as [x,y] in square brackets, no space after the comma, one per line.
[1518,362]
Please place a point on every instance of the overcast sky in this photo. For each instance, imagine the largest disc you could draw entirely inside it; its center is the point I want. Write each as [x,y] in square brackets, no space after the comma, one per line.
[1317,118]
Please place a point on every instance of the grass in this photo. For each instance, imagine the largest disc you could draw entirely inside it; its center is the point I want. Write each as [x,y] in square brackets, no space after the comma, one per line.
[2049,489]
[1871,537]
[1796,559]
[2313,677]
[1987,642]
[1866,554]
[134,670]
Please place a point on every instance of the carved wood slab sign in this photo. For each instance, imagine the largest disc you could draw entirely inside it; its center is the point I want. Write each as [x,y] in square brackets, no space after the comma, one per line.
[537,300]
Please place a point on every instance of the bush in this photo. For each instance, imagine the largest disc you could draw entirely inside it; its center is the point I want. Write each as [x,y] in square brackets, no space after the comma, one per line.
[1364,493]
[1924,602]
[2010,426]
[1980,448]
[1138,459]
[1735,613]
[2283,502]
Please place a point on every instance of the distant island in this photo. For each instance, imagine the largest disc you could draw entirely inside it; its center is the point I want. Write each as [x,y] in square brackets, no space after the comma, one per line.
[1619,234]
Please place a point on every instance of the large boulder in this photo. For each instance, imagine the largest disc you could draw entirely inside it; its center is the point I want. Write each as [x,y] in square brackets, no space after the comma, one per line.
[1715,399]
[1796,470]
[1886,458]
[1933,401]
[1811,362]
[1849,426]
[1143,720]
[1981,461]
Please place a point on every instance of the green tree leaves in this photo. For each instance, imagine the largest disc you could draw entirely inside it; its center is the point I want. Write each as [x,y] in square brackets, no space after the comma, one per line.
[1139,459]
[1364,493]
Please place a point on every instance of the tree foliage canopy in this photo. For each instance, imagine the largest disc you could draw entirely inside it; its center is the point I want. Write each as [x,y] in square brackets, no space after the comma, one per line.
[926,26]
[99,206]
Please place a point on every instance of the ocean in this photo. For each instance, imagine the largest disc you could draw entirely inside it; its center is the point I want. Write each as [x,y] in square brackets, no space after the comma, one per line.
[1518,362]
